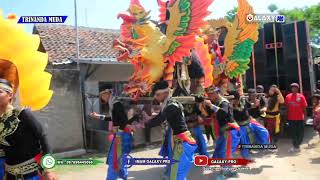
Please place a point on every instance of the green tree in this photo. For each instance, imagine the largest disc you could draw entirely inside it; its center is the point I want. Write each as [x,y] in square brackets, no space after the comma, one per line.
[272,7]
[310,14]
[232,14]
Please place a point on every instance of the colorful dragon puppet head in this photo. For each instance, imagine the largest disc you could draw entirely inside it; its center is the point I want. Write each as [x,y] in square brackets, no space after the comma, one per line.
[238,44]
[154,51]
[23,65]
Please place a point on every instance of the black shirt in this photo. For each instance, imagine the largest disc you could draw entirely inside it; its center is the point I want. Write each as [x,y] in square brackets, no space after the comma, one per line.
[224,115]
[241,114]
[28,140]
[191,112]
[119,116]
[22,138]
[255,112]
[174,116]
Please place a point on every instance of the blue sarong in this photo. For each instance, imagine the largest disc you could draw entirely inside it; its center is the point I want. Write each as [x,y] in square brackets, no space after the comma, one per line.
[33,178]
[2,172]
[227,143]
[201,142]
[260,132]
[253,133]
[184,153]
[121,145]
[166,148]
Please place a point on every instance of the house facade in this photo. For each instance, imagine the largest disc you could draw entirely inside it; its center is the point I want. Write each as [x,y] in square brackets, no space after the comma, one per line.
[75,83]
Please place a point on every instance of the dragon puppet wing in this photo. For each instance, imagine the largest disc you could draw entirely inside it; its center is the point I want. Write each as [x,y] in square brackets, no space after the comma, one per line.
[239,41]
[186,17]
[205,60]
[23,65]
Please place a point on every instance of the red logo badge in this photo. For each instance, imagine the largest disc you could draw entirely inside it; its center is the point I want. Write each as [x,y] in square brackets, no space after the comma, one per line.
[201,160]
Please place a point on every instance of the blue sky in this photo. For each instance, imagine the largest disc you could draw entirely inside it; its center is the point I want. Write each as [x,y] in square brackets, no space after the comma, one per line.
[102,13]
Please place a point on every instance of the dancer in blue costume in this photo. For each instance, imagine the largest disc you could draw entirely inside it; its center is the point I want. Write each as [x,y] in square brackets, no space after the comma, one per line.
[184,145]
[229,135]
[252,132]
[122,140]
[194,121]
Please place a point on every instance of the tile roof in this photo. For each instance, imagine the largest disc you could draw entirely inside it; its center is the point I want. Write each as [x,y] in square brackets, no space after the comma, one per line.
[59,41]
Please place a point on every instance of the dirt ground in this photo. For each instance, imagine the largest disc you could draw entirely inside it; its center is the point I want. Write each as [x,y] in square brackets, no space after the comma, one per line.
[280,165]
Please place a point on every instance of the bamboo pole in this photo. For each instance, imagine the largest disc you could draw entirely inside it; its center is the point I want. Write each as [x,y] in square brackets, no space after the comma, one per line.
[276,52]
[298,55]
[254,69]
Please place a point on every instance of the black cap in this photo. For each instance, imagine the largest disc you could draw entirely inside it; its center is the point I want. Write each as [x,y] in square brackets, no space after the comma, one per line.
[274,86]
[235,94]
[294,85]
[251,91]
[103,88]
[260,87]
[161,85]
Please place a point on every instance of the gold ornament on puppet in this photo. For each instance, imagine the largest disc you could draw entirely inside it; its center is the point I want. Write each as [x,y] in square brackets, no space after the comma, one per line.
[137,10]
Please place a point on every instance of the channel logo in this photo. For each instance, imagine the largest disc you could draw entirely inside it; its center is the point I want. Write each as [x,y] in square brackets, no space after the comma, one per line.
[249,17]
[280,19]
[265,18]
[201,160]
[42,19]
[48,162]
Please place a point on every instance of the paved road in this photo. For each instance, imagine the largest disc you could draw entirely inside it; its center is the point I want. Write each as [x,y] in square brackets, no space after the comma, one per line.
[280,165]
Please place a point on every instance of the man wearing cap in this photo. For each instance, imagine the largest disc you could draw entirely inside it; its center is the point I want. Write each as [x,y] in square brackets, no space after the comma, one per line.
[257,105]
[122,140]
[296,104]
[260,89]
[229,130]
[184,145]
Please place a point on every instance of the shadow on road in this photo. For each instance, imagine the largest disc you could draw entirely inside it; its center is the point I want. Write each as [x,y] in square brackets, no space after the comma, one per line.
[315,160]
[286,143]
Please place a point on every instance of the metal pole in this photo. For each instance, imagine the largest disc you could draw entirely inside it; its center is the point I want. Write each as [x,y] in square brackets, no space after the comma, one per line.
[77,33]
[310,62]
[254,69]
[276,51]
[298,55]
[241,84]
[81,78]
[86,16]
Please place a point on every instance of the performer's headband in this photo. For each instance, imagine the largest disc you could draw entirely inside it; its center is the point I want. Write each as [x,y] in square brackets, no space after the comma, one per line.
[105,91]
[213,89]
[162,91]
[6,87]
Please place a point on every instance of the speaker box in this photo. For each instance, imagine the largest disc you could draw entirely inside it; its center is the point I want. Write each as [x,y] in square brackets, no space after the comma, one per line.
[287,57]
[274,56]
[290,54]
[260,59]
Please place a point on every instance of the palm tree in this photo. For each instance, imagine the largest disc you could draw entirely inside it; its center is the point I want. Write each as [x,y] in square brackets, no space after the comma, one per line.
[272,7]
